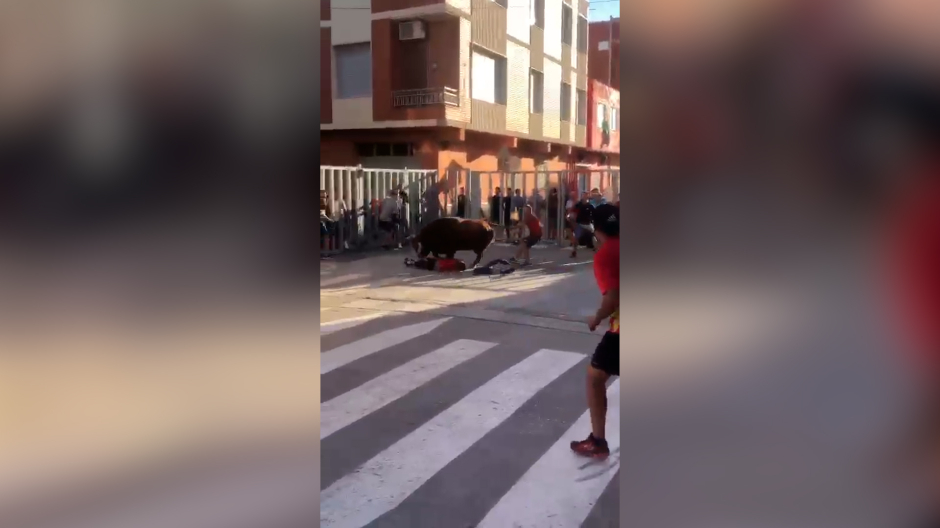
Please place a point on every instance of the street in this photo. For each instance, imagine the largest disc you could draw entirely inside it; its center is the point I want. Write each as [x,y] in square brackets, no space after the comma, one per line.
[449,401]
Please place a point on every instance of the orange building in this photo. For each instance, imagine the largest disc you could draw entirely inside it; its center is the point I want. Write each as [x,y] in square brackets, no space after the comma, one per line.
[454,84]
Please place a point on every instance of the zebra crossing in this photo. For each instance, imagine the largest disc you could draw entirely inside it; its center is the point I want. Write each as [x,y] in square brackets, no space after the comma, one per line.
[459,429]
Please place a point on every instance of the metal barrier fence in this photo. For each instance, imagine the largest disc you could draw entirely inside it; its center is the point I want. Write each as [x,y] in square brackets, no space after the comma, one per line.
[350,218]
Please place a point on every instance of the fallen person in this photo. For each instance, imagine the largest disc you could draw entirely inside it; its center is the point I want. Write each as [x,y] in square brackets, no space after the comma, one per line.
[436,264]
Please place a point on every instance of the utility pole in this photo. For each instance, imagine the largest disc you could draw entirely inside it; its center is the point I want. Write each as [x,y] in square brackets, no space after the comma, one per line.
[610,74]
[610,51]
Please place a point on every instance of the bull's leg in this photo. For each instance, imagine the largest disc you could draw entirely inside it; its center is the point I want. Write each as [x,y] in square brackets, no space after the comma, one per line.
[477,260]
[451,255]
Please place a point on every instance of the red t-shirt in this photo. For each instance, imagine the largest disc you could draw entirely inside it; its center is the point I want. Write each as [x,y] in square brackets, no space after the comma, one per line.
[607,274]
[916,259]
[535,227]
[448,265]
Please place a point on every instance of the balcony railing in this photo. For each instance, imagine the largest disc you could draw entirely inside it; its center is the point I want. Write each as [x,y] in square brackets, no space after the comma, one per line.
[425,97]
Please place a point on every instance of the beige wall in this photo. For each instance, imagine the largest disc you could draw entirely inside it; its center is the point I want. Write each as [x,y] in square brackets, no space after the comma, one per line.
[352,113]
[350,25]
[552,99]
[517,103]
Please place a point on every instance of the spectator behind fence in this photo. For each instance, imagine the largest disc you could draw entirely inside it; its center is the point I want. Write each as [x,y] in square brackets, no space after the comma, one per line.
[432,201]
[389,218]
[518,204]
[461,204]
[553,214]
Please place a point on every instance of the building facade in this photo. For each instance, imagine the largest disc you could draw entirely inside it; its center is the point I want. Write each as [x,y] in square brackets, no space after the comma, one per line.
[482,85]
[603,129]
[604,52]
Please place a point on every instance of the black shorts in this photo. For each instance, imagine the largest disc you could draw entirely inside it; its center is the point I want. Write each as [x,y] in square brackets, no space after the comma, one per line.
[387,226]
[607,354]
[531,241]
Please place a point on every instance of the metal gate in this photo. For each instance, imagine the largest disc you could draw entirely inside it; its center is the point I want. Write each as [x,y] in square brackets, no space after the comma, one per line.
[350,210]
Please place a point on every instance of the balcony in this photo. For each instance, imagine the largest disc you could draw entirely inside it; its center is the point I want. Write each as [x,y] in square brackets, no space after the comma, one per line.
[425,97]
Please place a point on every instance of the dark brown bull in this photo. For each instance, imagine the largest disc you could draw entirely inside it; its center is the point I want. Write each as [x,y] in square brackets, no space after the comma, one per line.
[444,237]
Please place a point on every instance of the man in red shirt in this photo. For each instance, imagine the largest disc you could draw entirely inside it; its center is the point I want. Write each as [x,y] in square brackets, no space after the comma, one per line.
[606,359]
[534,226]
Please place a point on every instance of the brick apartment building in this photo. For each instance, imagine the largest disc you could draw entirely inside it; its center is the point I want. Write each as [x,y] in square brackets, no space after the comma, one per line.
[603,141]
[604,52]
[482,85]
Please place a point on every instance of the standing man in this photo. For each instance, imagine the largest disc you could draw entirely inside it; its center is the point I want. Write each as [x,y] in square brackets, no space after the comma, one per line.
[534,226]
[461,204]
[389,218]
[583,213]
[518,203]
[432,201]
[606,359]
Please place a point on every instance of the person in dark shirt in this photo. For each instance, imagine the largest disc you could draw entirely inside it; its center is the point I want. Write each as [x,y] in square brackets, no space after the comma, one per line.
[494,206]
[507,214]
[461,204]
[583,213]
[553,214]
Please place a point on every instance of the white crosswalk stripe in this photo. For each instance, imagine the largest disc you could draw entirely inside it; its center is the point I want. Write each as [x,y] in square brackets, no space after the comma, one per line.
[560,490]
[353,405]
[343,324]
[359,349]
[389,486]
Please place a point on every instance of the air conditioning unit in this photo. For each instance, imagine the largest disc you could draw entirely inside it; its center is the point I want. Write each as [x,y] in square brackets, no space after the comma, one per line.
[411,30]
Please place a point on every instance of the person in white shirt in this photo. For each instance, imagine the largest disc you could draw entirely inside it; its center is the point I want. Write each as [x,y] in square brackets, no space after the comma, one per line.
[389,217]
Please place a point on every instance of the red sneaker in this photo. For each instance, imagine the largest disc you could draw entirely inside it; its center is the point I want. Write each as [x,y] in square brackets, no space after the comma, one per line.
[592,447]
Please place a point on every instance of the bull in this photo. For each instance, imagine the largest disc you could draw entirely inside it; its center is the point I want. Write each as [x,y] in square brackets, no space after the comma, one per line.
[444,237]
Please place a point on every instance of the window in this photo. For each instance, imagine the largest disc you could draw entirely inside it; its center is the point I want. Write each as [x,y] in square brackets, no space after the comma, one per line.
[353,70]
[567,19]
[613,119]
[582,34]
[582,107]
[603,45]
[536,92]
[565,102]
[488,78]
[502,81]
[537,13]
[601,114]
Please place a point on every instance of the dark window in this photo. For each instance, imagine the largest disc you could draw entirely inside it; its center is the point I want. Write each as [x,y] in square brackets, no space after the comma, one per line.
[365,149]
[582,107]
[567,19]
[401,149]
[501,76]
[537,13]
[582,34]
[383,149]
[565,102]
[536,92]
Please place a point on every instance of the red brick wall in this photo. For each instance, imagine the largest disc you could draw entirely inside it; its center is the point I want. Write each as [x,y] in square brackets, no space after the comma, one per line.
[444,58]
[388,55]
[601,93]
[338,153]
[326,77]
[324,10]
[599,65]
